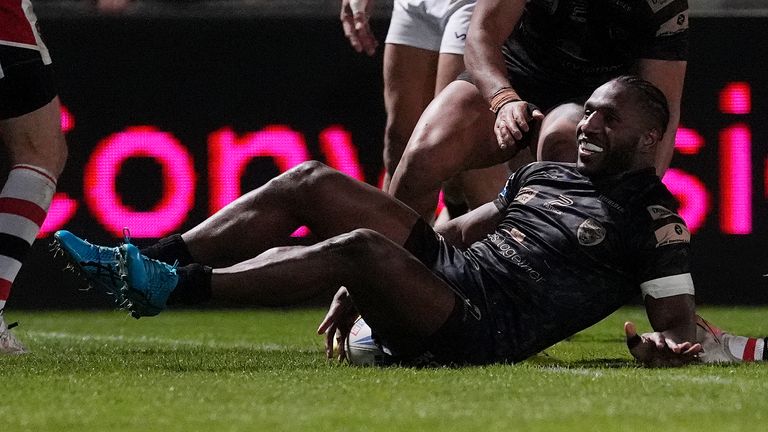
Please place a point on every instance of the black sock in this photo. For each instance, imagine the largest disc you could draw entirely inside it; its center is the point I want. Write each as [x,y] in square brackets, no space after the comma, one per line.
[194,286]
[169,250]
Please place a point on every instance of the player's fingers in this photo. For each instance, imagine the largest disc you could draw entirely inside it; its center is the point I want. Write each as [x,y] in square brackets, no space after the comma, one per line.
[693,350]
[329,336]
[351,34]
[503,138]
[633,339]
[367,40]
[341,340]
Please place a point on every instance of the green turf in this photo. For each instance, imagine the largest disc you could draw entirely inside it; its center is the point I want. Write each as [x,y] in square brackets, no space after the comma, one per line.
[264,371]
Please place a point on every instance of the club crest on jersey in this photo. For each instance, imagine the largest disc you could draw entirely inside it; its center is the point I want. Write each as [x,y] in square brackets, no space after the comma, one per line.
[590,232]
[672,233]
[524,195]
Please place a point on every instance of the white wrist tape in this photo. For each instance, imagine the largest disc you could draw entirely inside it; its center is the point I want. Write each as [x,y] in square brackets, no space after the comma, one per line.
[668,286]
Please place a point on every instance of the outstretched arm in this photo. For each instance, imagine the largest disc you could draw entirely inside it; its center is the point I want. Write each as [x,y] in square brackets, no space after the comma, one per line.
[492,22]
[673,341]
[668,76]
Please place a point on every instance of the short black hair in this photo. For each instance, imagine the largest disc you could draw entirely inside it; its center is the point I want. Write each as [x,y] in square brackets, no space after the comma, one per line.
[651,100]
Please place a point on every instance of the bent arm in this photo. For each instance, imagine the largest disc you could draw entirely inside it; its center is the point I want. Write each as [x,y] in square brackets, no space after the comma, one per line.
[471,227]
[492,22]
[668,76]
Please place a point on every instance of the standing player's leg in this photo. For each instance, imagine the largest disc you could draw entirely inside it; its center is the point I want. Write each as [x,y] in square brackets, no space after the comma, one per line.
[31,134]
[409,79]
[557,136]
[454,134]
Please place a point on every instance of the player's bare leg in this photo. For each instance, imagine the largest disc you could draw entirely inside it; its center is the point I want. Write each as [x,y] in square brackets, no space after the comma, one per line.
[391,289]
[454,134]
[409,83]
[557,137]
[313,195]
[37,153]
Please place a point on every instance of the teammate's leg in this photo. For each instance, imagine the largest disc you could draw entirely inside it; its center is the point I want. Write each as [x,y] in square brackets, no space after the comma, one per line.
[454,134]
[409,81]
[557,136]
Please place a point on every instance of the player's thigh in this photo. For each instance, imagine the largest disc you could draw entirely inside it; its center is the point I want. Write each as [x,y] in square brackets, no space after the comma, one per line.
[35,138]
[455,132]
[397,295]
[557,136]
[449,66]
[409,81]
[332,203]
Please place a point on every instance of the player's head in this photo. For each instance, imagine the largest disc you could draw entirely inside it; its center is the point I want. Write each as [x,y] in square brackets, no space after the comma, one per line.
[623,122]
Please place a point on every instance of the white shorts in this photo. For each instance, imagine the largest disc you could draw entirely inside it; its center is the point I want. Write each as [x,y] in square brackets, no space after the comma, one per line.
[434,25]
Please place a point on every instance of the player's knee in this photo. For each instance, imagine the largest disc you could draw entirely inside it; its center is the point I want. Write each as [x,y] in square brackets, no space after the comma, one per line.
[557,145]
[362,246]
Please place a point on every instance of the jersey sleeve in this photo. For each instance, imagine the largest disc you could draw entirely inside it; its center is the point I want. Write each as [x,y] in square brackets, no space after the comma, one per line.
[666,37]
[512,187]
[663,252]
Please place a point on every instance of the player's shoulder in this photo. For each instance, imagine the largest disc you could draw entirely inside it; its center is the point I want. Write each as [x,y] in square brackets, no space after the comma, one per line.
[549,169]
[667,17]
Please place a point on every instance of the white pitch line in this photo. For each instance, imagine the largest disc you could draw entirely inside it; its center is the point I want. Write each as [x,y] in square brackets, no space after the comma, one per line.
[154,340]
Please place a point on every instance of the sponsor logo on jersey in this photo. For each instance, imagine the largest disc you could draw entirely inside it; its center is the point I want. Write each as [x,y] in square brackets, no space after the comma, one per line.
[657,5]
[524,195]
[590,232]
[507,251]
[658,212]
[561,201]
[672,233]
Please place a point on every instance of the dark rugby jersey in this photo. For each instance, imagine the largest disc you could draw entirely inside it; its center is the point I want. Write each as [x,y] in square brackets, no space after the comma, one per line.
[571,250]
[572,46]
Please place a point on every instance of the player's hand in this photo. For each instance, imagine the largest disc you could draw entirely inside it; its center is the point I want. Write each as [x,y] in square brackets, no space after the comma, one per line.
[354,21]
[338,322]
[656,350]
[514,121]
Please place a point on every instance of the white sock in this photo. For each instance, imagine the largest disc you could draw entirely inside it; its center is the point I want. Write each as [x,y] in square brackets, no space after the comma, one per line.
[24,202]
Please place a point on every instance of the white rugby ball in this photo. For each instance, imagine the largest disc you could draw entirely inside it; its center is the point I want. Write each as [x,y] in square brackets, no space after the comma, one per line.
[361,349]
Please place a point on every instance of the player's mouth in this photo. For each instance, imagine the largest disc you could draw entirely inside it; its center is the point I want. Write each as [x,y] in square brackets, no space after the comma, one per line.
[587,147]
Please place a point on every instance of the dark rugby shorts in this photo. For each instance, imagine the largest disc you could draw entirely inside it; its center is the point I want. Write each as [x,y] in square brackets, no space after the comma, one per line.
[26,77]
[466,338]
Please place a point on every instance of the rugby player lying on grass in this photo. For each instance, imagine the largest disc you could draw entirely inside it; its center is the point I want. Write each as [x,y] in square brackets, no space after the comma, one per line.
[562,247]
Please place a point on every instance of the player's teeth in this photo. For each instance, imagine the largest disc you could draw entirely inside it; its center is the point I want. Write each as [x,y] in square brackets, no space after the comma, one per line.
[591,147]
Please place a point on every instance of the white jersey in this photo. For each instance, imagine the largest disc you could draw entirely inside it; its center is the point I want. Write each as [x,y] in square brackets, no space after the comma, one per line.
[434,25]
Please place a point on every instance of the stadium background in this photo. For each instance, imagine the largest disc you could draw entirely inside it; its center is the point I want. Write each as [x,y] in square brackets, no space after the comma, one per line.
[172,108]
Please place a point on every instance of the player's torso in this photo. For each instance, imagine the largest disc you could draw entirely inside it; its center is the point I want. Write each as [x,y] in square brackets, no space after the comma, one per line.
[591,40]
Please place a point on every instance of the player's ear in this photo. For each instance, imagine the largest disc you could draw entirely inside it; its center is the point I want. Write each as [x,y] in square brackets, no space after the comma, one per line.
[650,138]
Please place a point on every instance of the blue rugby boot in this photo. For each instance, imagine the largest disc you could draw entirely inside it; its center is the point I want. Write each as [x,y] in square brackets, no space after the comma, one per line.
[100,265]
[149,283]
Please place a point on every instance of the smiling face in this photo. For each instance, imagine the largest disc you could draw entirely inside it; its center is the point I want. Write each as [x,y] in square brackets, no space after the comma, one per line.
[615,135]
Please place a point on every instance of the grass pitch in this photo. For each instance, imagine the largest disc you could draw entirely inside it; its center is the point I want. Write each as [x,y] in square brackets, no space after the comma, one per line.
[261,370]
